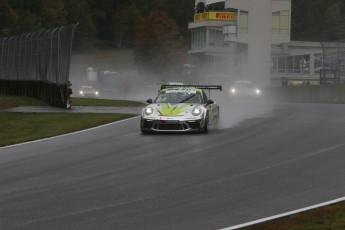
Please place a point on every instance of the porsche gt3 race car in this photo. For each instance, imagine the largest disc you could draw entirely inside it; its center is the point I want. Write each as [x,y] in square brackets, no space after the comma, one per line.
[180,108]
[244,89]
[88,91]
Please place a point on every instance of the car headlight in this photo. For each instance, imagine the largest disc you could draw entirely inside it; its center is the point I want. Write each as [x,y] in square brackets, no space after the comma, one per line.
[148,111]
[81,92]
[96,92]
[257,91]
[232,90]
[196,111]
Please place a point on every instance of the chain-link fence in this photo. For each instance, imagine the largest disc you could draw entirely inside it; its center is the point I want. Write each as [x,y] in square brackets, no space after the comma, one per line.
[332,63]
[37,64]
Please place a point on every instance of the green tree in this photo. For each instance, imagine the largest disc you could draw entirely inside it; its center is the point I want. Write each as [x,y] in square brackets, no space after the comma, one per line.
[160,48]
[8,17]
[100,11]
[54,14]
[28,15]
[124,24]
[38,14]
[317,20]
[333,22]
[78,11]
[147,6]
[182,11]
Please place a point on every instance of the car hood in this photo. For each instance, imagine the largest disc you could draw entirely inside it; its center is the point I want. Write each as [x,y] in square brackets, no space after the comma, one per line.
[168,109]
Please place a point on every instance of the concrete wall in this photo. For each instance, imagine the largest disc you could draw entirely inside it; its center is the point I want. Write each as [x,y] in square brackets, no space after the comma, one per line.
[307,94]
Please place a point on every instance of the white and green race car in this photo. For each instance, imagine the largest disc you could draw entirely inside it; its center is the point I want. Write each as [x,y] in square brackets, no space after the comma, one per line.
[180,108]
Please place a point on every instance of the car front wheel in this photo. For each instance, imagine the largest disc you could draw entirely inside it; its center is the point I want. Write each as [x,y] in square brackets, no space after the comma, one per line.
[205,129]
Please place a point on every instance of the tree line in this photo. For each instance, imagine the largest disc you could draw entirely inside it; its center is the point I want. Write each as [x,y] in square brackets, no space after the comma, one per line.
[101,22]
[114,22]
[318,20]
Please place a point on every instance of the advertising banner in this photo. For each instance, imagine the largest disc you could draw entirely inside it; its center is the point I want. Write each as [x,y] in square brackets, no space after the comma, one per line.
[214,15]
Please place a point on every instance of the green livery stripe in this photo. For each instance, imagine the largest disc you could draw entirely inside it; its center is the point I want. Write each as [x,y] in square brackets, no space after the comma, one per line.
[174,110]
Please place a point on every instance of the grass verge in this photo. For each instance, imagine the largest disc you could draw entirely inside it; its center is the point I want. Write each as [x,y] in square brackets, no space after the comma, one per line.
[22,127]
[7,101]
[76,101]
[331,217]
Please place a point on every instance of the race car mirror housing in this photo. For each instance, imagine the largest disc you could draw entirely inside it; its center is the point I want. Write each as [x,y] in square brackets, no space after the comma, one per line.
[149,101]
[210,102]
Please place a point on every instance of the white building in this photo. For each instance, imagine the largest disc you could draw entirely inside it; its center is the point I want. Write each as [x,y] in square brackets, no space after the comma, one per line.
[234,38]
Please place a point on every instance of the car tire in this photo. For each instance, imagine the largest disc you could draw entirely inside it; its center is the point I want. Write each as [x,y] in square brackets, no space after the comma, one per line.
[217,118]
[144,131]
[205,129]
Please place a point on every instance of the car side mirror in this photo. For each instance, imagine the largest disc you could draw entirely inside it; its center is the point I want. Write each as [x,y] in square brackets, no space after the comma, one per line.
[210,102]
[149,101]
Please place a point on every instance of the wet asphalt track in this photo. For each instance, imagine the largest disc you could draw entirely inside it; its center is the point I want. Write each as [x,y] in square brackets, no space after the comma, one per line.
[113,177]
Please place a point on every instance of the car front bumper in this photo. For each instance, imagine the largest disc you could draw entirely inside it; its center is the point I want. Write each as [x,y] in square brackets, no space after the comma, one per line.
[152,125]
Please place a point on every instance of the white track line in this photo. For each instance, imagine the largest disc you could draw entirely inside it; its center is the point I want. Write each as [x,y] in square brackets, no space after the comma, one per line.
[285,214]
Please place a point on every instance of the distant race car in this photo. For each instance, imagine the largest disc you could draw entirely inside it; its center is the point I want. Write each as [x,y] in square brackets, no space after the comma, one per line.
[88,91]
[180,108]
[244,88]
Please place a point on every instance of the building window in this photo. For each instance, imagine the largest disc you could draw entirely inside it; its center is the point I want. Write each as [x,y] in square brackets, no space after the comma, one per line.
[243,24]
[198,39]
[280,23]
[215,38]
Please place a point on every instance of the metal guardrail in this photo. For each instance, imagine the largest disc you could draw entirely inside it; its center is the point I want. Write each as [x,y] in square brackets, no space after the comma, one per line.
[333,62]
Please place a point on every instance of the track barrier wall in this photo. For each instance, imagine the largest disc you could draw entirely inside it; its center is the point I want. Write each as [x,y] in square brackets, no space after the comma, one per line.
[307,94]
[37,64]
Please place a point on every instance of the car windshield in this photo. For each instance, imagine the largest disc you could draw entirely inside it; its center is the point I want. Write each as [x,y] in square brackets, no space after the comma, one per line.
[179,96]
[243,85]
[86,88]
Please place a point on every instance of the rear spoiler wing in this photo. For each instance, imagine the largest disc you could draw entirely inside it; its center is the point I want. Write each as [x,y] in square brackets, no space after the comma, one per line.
[209,87]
